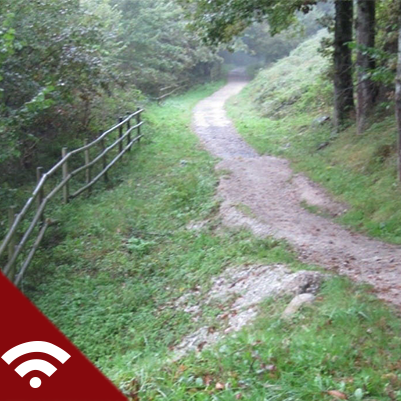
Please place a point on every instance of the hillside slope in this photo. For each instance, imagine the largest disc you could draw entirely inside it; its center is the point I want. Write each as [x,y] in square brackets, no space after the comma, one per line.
[114,272]
[109,273]
[286,111]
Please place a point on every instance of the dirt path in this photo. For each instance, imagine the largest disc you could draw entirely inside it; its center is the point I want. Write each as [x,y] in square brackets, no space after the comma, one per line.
[274,195]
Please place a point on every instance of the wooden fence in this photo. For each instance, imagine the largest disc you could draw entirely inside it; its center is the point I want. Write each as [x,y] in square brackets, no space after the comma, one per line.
[164,94]
[18,262]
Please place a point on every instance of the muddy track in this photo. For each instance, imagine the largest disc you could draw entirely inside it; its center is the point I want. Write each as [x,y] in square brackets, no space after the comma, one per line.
[275,197]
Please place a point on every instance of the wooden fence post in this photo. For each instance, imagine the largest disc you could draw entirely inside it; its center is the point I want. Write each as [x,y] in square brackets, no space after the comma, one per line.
[120,134]
[138,121]
[129,135]
[88,169]
[104,158]
[66,189]
[11,244]
[41,194]
[12,247]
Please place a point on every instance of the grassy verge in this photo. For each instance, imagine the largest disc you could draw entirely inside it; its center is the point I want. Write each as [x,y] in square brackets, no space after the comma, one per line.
[278,114]
[111,272]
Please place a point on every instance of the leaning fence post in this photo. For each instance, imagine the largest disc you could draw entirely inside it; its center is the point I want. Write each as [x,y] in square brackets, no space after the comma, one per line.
[66,189]
[11,244]
[104,158]
[41,194]
[88,169]
[129,135]
[120,134]
[138,121]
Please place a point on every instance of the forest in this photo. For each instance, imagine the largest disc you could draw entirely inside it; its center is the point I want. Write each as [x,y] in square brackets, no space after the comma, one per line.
[247,244]
[62,62]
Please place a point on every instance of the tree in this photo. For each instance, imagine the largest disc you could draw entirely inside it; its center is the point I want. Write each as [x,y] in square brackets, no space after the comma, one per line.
[343,84]
[365,38]
[398,98]
[158,49]
[53,70]
[62,62]
[220,21]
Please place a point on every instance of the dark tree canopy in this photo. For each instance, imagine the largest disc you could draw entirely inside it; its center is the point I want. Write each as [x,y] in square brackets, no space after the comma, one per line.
[219,21]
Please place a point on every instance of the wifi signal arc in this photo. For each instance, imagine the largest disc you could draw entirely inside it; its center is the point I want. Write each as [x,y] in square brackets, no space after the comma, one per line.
[35,346]
[35,364]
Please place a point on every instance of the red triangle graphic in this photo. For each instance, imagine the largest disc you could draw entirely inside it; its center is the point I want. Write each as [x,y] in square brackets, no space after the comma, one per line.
[75,379]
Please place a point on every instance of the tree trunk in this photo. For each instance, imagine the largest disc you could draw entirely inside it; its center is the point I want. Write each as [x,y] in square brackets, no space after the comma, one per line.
[398,99]
[365,37]
[343,85]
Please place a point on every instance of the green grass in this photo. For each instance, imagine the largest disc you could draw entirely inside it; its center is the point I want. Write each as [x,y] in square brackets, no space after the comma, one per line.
[108,276]
[347,343]
[118,258]
[276,114]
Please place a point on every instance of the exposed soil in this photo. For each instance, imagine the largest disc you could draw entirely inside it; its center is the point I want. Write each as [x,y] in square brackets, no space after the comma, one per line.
[276,198]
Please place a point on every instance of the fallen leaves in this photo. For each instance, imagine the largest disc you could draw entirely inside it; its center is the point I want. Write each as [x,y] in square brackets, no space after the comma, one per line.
[393,379]
[133,394]
[208,380]
[201,345]
[220,386]
[182,368]
[337,394]
[268,368]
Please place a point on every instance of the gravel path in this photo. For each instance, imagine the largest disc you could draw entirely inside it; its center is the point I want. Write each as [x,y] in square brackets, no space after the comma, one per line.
[274,195]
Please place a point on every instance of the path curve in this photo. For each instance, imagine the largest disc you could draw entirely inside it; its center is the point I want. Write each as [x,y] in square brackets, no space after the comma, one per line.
[274,194]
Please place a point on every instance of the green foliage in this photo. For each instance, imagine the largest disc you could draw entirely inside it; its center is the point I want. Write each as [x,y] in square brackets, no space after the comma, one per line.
[292,80]
[257,47]
[267,48]
[384,71]
[51,67]
[221,21]
[139,245]
[258,42]
[158,49]
[64,64]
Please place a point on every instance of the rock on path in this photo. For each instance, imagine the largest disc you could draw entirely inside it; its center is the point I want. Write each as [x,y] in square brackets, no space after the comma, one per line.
[238,291]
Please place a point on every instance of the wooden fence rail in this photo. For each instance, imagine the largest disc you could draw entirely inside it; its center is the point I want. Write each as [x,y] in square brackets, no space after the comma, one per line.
[164,94]
[14,249]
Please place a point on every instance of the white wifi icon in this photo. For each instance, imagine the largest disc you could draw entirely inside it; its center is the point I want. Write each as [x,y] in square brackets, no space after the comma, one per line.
[35,364]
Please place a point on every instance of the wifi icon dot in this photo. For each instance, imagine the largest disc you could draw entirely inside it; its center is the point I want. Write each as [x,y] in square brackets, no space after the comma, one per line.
[35,364]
